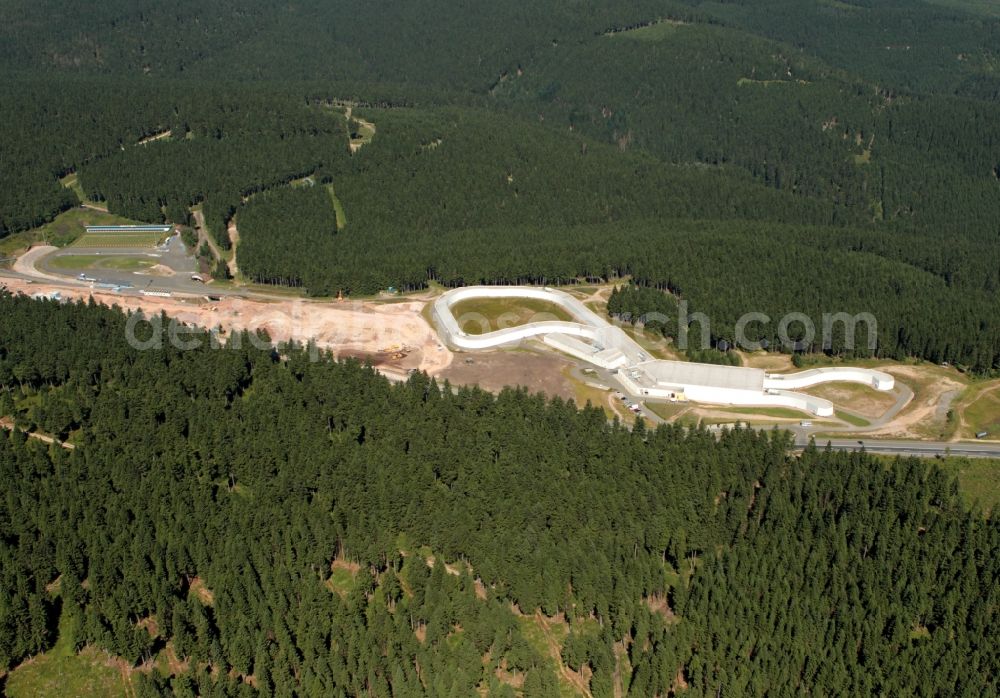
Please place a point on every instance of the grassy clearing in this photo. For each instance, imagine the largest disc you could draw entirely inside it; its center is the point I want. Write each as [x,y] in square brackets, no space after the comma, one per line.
[364,131]
[978,480]
[338,208]
[548,643]
[361,132]
[67,228]
[929,383]
[162,135]
[119,240]
[580,292]
[980,409]
[90,261]
[653,344]
[852,419]
[62,673]
[483,315]
[535,635]
[200,591]
[667,410]
[583,393]
[341,579]
[72,181]
[769,361]
[776,412]
[862,399]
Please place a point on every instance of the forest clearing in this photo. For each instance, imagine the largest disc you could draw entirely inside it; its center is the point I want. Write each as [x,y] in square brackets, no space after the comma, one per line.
[352,328]
[396,338]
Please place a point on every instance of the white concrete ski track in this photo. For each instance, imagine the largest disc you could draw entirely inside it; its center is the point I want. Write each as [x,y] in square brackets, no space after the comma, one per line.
[594,339]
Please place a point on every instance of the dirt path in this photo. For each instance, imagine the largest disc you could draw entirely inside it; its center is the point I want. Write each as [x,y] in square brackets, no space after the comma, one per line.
[577,680]
[617,681]
[234,241]
[356,145]
[600,295]
[203,236]
[155,137]
[944,404]
[7,424]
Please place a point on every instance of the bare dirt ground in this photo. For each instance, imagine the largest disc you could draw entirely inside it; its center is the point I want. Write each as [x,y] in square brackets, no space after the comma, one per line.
[767,361]
[352,567]
[203,593]
[155,137]
[660,604]
[25,264]
[391,335]
[912,421]
[494,370]
[160,270]
[234,241]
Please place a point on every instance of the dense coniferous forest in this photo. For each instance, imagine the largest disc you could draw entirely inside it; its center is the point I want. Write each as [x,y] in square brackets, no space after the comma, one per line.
[249,472]
[496,155]
[283,525]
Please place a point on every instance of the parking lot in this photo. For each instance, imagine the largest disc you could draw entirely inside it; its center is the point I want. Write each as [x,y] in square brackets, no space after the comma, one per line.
[137,263]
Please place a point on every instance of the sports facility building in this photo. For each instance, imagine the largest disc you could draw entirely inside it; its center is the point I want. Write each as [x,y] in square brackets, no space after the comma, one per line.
[128,228]
[593,339]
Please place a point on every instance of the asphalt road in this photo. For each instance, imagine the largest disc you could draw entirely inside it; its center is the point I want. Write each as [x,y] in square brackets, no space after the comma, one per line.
[911,448]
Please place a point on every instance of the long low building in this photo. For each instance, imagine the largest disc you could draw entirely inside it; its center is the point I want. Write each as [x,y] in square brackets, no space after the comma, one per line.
[128,228]
[594,339]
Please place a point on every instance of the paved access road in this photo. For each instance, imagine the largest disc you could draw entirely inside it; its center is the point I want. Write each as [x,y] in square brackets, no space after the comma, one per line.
[911,448]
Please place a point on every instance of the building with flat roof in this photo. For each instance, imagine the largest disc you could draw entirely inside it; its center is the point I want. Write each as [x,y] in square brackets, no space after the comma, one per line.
[688,373]
[128,228]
